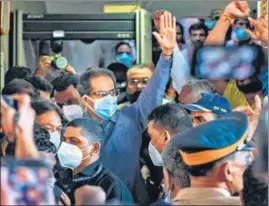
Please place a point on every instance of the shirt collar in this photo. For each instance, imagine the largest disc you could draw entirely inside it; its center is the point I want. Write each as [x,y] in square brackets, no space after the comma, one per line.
[90,170]
[201,193]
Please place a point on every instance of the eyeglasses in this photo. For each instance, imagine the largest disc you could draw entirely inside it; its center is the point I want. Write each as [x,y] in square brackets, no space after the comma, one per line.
[135,82]
[101,94]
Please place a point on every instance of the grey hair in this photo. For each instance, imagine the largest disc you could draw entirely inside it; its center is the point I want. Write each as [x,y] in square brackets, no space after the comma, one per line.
[84,81]
[199,86]
[243,157]
[173,162]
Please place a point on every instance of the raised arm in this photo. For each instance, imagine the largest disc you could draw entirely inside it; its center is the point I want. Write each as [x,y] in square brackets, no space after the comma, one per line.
[180,71]
[234,10]
[153,94]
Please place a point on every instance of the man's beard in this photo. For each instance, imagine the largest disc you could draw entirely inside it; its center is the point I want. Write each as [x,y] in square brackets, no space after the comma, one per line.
[198,44]
[132,97]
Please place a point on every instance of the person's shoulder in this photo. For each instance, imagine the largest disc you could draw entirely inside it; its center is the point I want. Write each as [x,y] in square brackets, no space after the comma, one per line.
[108,178]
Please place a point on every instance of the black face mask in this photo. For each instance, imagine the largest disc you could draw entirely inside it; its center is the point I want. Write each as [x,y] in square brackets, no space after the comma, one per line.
[133,97]
[254,86]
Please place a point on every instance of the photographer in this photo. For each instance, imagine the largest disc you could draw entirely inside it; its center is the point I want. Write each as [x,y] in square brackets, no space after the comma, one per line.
[50,67]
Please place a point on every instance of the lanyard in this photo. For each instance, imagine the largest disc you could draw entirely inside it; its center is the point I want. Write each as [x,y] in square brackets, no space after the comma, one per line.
[83,179]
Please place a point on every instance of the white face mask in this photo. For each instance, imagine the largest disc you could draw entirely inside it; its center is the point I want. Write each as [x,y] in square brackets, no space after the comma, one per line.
[72,112]
[155,155]
[55,138]
[70,156]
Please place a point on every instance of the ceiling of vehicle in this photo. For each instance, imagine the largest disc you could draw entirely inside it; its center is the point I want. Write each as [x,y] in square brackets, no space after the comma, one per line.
[182,8]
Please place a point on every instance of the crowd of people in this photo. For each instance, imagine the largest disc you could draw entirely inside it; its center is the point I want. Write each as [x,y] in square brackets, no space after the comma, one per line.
[143,134]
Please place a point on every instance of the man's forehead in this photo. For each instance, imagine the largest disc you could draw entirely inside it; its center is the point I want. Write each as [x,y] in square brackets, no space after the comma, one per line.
[124,48]
[102,83]
[199,113]
[199,31]
[71,131]
[63,95]
[140,74]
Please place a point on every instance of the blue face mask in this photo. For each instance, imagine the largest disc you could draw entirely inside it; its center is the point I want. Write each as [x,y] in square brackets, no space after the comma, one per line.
[126,59]
[106,107]
[210,24]
[241,35]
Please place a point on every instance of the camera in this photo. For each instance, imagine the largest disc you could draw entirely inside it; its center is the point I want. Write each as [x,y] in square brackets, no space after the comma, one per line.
[56,45]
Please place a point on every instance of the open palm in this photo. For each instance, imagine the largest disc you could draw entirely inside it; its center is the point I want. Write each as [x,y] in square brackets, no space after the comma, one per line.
[167,32]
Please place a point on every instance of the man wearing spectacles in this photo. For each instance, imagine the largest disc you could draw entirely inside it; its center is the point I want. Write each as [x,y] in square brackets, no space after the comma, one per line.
[123,130]
[137,79]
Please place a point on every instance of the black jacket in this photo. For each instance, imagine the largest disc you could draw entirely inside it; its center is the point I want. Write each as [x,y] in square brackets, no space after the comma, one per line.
[97,175]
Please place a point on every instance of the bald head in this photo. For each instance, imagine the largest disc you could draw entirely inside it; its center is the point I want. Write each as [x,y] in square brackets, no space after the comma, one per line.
[90,195]
[193,89]
[138,71]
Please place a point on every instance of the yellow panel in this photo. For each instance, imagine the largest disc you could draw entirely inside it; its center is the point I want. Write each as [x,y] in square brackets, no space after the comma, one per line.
[121,8]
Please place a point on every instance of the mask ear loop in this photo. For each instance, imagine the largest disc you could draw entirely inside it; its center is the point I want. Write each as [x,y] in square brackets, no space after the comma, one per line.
[88,146]
[85,106]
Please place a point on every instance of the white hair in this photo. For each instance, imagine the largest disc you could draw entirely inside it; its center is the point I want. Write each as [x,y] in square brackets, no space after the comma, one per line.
[199,86]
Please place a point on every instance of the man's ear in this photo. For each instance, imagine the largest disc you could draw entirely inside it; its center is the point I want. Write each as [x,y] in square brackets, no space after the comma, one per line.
[87,101]
[96,147]
[227,172]
[167,136]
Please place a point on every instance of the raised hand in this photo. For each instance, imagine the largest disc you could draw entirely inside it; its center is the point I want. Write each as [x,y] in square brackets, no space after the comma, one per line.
[167,34]
[23,129]
[237,9]
[253,115]
[261,30]
[70,69]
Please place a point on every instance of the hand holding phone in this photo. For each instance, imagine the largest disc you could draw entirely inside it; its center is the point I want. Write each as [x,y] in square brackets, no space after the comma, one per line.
[20,130]
[226,62]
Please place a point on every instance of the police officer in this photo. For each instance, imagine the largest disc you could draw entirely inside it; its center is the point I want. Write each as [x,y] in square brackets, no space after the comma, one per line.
[216,155]
[208,107]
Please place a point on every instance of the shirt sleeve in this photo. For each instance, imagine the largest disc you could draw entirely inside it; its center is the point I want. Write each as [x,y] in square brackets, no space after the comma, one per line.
[152,96]
[180,71]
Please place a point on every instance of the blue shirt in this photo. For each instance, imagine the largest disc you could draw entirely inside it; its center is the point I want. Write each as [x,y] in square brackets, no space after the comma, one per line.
[121,149]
